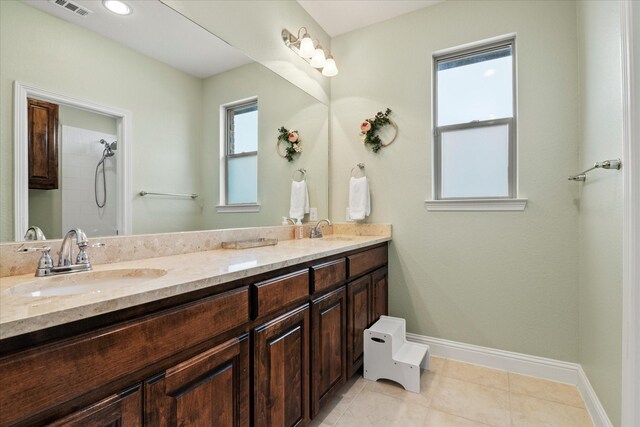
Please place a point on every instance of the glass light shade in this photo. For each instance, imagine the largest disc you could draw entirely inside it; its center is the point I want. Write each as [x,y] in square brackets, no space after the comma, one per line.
[330,68]
[307,49]
[318,60]
[117,7]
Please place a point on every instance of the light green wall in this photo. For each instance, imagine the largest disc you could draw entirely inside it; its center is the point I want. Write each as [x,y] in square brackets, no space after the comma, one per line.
[254,27]
[87,120]
[279,104]
[45,211]
[166,105]
[505,280]
[600,202]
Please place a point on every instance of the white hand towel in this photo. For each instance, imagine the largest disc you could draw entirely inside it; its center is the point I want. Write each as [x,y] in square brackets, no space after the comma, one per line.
[359,198]
[299,199]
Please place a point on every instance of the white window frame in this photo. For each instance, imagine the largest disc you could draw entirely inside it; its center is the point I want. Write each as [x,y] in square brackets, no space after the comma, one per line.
[225,131]
[509,202]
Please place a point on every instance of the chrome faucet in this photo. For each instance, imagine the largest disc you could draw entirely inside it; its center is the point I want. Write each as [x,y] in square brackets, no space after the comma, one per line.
[65,254]
[65,264]
[34,233]
[317,231]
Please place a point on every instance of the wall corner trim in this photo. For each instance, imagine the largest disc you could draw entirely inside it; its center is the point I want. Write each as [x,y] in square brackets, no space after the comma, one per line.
[535,366]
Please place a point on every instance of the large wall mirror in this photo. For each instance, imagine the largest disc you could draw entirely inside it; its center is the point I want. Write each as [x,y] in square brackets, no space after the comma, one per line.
[140,106]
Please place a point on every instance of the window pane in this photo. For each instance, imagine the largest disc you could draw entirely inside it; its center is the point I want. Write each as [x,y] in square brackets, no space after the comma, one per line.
[243,180]
[475,162]
[475,87]
[245,130]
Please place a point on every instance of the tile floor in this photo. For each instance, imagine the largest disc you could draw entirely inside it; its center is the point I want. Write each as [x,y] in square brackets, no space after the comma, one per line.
[458,395]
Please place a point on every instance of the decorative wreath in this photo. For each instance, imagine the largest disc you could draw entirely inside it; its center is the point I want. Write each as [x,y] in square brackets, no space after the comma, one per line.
[369,128]
[291,141]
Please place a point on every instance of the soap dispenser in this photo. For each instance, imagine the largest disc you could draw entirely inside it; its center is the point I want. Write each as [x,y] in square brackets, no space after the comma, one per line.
[299,230]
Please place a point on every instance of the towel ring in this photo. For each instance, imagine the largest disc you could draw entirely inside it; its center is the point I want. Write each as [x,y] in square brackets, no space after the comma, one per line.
[360,167]
[303,174]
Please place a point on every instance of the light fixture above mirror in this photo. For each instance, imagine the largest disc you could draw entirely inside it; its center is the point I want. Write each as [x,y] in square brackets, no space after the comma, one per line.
[311,51]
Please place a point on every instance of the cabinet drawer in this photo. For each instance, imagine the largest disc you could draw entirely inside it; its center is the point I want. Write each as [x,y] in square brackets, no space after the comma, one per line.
[330,274]
[59,372]
[274,294]
[121,409]
[367,260]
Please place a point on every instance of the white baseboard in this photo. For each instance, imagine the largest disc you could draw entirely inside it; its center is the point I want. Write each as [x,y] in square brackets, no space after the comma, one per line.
[595,408]
[541,367]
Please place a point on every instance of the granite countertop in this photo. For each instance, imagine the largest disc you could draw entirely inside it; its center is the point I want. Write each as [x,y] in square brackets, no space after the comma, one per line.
[176,274]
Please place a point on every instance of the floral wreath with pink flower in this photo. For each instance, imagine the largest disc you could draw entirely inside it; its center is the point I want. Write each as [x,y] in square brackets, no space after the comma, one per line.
[370,127]
[292,140]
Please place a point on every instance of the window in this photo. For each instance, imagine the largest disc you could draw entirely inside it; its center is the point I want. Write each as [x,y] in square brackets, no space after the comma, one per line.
[474,116]
[239,169]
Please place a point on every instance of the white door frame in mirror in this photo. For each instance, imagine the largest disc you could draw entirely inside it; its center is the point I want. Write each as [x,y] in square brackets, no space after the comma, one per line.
[123,118]
[630,17]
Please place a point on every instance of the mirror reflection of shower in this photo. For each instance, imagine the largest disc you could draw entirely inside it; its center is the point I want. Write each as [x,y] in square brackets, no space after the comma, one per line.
[82,154]
[109,151]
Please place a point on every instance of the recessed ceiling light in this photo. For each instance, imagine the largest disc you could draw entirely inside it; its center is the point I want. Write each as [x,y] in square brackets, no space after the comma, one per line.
[117,7]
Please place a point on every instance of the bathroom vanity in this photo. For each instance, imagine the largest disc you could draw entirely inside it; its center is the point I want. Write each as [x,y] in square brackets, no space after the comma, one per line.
[263,345]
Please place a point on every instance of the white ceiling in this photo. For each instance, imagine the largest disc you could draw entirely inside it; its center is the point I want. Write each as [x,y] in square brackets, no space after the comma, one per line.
[155,30]
[341,16]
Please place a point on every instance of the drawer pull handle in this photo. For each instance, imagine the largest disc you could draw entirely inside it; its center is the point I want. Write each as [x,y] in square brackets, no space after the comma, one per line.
[380,340]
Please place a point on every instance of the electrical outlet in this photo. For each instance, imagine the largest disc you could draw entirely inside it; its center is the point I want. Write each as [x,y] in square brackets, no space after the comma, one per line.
[313,214]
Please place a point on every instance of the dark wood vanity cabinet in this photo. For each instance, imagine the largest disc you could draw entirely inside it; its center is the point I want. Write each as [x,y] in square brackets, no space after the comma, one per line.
[379,294]
[119,410]
[265,351]
[329,346]
[209,389]
[40,382]
[359,301]
[367,299]
[43,145]
[281,371]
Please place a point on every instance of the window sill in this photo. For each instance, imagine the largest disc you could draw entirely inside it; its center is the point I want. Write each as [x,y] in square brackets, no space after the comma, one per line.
[248,207]
[476,205]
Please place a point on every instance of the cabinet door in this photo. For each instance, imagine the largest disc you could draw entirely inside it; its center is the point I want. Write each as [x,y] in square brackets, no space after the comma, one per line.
[120,410]
[379,294]
[359,312]
[210,389]
[43,145]
[328,346]
[281,371]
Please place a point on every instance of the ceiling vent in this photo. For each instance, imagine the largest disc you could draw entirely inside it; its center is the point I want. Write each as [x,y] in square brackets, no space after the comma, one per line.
[72,7]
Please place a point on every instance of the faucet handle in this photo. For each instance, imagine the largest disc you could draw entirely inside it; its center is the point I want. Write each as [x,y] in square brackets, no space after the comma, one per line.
[45,263]
[83,256]
[29,250]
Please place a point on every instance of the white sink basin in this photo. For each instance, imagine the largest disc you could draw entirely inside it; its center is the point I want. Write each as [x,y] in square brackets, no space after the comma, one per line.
[84,283]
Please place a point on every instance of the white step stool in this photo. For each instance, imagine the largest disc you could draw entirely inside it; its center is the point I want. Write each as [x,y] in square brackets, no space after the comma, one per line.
[388,354]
